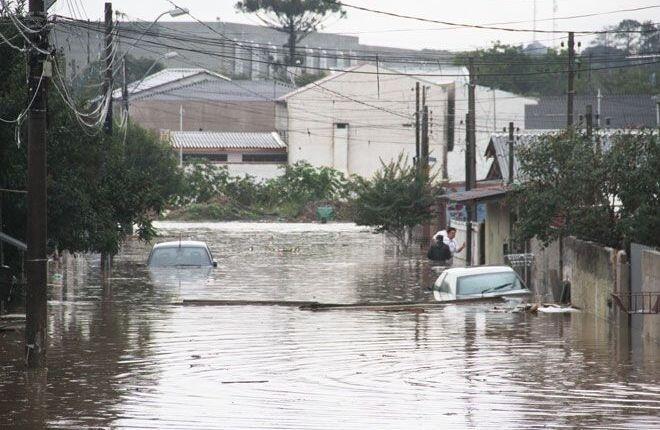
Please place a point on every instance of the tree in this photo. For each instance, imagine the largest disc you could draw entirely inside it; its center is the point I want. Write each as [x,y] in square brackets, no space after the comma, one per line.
[626,34]
[296,18]
[572,187]
[96,183]
[396,199]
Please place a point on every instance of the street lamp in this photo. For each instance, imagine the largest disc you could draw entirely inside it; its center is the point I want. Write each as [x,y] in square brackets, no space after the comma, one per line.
[177,11]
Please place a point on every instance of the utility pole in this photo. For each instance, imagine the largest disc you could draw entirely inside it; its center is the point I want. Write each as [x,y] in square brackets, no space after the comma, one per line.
[471,180]
[590,122]
[39,70]
[417,123]
[107,83]
[571,79]
[511,155]
[470,157]
[599,98]
[180,129]
[124,87]
[424,151]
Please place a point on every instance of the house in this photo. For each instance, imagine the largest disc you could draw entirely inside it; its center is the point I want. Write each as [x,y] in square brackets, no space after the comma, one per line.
[356,120]
[609,111]
[495,109]
[261,155]
[198,99]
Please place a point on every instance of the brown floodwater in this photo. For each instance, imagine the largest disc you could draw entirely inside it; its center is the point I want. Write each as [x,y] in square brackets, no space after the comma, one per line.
[124,354]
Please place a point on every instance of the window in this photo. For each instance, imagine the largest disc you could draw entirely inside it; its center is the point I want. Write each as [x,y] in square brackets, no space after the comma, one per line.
[341,125]
[213,158]
[487,283]
[180,256]
[265,158]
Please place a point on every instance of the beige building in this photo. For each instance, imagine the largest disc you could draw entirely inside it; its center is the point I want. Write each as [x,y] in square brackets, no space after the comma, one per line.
[200,100]
[353,121]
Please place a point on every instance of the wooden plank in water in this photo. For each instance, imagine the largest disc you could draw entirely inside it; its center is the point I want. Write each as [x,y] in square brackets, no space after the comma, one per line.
[286,303]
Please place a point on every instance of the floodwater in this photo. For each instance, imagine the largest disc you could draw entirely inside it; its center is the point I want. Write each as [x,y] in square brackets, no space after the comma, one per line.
[123,354]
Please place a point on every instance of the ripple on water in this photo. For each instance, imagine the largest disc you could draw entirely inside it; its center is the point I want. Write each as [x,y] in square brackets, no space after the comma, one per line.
[122,356]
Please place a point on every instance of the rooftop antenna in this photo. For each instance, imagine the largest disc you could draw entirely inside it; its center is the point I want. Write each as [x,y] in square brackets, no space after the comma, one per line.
[534,20]
[555,8]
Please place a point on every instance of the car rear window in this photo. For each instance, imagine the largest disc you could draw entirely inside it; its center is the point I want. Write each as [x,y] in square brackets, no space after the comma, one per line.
[487,283]
[180,256]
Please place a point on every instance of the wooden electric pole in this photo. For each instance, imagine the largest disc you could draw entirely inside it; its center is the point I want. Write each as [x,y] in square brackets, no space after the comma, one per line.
[470,159]
[571,79]
[424,150]
[417,123]
[39,70]
[511,155]
[107,83]
[124,86]
[590,121]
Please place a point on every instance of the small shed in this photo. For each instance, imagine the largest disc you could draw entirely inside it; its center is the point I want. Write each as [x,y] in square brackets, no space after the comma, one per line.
[256,154]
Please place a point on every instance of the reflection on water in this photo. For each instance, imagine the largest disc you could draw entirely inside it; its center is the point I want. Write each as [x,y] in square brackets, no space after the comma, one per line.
[122,355]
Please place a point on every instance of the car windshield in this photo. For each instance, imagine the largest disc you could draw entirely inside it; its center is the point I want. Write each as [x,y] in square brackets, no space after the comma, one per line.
[487,283]
[179,256]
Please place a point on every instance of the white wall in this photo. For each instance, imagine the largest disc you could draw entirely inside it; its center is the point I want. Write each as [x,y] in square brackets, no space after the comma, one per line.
[260,171]
[492,114]
[379,113]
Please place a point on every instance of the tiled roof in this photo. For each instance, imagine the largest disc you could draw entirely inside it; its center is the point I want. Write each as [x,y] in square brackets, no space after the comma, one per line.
[226,140]
[167,76]
[623,111]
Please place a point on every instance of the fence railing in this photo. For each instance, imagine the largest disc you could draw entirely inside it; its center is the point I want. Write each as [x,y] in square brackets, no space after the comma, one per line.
[644,302]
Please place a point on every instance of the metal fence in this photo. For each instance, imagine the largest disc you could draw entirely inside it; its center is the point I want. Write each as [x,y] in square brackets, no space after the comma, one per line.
[638,303]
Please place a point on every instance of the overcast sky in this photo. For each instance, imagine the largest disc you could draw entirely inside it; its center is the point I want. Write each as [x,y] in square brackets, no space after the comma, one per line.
[376,29]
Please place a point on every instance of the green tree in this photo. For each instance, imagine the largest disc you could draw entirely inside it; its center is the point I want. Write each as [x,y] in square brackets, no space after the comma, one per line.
[572,186]
[295,18]
[96,183]
[395,200]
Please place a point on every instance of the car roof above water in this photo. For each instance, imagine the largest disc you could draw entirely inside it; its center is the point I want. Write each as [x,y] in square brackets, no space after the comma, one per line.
[181,243]
[478,270]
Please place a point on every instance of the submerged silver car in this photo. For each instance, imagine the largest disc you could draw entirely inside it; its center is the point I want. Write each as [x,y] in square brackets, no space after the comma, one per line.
[181,253]
[479,282]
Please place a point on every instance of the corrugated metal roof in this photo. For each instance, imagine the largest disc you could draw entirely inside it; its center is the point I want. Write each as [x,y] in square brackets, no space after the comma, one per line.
[623,111]
[166,76]
[225,140]
[219,90]
[476,194]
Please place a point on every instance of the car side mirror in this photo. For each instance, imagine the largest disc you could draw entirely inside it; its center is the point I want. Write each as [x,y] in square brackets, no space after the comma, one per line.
[215,263]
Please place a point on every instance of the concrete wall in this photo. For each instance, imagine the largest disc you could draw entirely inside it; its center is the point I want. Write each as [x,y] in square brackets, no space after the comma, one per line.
[208,116]
[545,280]
[260,171]
[379,112]
[591,270]
[651,283]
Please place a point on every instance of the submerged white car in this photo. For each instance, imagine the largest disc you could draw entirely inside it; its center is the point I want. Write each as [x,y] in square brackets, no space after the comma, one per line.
[181,253]
[479,282]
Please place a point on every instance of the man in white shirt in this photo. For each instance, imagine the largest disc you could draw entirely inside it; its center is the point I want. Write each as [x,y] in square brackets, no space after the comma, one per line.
[448,237]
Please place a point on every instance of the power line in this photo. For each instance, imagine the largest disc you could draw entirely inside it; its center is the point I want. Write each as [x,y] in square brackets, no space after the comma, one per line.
[483,27]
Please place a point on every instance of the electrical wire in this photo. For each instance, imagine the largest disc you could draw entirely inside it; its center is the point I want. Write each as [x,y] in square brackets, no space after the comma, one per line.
[485,27]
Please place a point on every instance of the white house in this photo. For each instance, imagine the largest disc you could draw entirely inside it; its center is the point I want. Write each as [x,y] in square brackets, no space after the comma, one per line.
[494,110]
[260,155]
[354,119]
